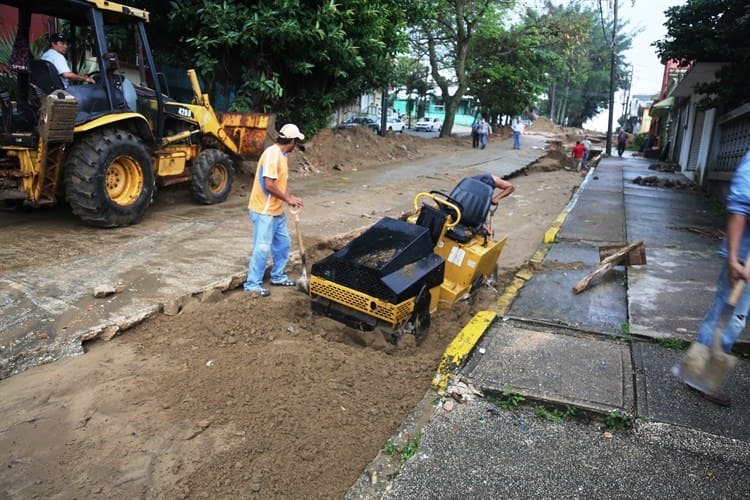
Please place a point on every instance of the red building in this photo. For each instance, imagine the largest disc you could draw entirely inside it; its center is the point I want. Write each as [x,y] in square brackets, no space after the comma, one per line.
[9,22]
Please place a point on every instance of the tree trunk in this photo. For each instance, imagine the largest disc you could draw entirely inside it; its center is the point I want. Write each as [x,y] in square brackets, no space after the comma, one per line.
[451,105]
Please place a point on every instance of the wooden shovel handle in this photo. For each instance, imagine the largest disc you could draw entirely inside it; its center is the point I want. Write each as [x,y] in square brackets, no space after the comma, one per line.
[740,285]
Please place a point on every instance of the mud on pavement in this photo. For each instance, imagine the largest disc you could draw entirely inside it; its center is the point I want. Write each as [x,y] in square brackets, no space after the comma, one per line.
[238,396]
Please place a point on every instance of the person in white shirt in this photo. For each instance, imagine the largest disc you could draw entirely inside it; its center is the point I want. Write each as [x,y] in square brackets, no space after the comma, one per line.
[587,155]
[58,47]
[483,129]
[517,127]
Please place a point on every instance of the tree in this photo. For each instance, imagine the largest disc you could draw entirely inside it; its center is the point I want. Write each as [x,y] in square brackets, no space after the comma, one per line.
[444,30]
[712,31]
[297,59]
[578,54]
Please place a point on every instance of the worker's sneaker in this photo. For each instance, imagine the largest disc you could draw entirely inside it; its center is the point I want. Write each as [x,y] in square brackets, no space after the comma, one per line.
[283,283]
[719,398]
[260,292]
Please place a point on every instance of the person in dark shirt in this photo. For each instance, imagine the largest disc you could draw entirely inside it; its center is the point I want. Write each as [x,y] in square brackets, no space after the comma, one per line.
[505,187]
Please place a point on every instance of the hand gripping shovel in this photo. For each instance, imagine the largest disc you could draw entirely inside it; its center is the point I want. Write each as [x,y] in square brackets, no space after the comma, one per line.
[706,368]
[303,283]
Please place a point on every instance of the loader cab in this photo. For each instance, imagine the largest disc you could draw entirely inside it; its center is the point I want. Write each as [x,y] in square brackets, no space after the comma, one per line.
[108,42]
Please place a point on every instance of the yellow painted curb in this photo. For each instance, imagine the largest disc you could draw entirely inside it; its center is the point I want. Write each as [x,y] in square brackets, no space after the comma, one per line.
[551,233]
[468,337]
[506,299]
[461,346]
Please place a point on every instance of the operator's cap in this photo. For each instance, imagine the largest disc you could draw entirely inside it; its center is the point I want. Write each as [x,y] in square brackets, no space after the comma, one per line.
[291,131]
[58,37]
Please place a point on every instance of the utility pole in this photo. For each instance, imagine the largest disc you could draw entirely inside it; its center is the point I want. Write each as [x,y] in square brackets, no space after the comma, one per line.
[613,48]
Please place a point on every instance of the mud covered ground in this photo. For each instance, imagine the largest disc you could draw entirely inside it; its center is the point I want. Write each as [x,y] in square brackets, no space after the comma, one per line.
[240,397]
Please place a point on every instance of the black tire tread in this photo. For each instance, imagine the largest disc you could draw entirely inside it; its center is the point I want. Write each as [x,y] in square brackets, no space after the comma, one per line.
[84,179]
[200,169]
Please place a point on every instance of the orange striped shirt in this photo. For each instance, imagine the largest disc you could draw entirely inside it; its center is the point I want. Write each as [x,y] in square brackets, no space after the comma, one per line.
[272,164]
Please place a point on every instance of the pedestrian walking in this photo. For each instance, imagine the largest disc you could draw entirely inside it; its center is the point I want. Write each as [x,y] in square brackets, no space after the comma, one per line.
[518,128]
[587,155]
[578,151]
[475,134]
[734,248]
[622,142]
[484,130]
[266,206]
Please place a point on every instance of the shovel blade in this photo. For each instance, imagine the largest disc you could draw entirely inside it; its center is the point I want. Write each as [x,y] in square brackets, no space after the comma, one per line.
[704,368]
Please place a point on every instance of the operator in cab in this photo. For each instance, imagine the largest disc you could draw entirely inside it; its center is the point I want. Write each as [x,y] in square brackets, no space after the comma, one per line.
[58,48]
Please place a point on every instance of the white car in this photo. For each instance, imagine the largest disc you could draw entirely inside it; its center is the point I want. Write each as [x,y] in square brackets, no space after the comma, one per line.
[394,125]
[429,125]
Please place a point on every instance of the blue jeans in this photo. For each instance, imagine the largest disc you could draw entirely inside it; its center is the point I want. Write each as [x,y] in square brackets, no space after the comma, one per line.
[735,324]
[482,140]
[270,236]
[516,140]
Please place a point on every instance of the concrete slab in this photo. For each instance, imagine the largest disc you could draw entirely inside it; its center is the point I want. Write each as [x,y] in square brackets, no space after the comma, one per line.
[548,295]
[46,311]
[676,220]
[584,371]
[599,215]
[665,398]
[669,296]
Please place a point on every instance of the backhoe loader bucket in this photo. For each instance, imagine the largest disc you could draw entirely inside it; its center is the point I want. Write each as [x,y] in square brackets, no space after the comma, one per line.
[250,131]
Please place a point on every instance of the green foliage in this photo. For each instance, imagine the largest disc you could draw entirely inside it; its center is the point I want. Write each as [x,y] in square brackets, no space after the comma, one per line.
[625,328]
[506,400]
[579,51]
[406,451]
[618,421]
[712,31]
[443,34]
[300,60]
[554,414]
[8,78]
[676,344]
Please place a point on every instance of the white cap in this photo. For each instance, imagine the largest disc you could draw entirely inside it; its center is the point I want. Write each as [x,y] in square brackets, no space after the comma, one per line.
[290,131]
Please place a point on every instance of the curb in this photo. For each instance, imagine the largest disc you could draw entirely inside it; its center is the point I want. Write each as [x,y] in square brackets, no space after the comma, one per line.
[467,338]
[461,346]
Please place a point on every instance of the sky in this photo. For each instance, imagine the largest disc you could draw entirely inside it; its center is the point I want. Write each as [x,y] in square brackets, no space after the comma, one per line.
[647,17]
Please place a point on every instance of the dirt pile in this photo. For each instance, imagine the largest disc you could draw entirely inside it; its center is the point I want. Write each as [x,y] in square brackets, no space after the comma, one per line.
[543,124]
[354,148]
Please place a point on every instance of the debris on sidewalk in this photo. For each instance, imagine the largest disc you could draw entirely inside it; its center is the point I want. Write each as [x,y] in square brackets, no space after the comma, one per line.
[717,234]
[461,391]
[655,181]
[634,253]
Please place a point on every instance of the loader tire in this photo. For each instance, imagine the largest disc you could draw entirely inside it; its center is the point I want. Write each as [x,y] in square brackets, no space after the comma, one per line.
[109,178]
[213,176]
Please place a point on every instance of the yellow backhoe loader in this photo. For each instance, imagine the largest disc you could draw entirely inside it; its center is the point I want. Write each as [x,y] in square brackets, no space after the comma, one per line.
[104,147]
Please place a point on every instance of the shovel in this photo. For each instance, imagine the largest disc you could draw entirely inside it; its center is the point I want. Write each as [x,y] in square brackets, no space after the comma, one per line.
[303,283]
[706,368]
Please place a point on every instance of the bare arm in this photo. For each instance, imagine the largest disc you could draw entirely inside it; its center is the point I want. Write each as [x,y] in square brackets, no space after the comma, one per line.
[505,187]
[76,77]
[735,229]
[270,186]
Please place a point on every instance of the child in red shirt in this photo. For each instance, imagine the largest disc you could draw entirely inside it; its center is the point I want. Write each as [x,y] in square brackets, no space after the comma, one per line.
[578,151]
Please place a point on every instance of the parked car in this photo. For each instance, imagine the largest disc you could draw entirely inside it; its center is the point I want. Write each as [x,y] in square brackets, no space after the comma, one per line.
[360,121]
[429,125]
[395,125]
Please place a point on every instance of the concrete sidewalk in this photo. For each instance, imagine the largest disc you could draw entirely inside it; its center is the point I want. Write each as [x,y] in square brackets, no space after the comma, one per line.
[606,351]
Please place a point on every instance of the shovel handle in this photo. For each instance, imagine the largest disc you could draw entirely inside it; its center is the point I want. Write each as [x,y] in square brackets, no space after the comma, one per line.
[295,210]
[740,285]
